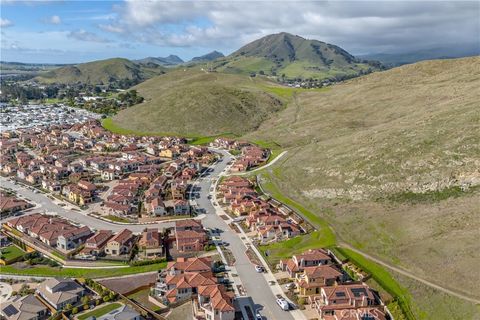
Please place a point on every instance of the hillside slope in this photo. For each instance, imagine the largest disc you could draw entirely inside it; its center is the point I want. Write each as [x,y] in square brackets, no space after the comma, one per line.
[294,57]
[193,102]
[102,72]
[384,159]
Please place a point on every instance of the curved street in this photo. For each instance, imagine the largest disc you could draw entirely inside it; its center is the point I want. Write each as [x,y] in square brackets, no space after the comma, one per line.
[254,284]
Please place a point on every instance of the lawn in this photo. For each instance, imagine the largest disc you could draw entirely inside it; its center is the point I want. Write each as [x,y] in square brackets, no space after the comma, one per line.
[285,249]
[100,311]
[116,219]
[80,272]
[11,252]
[142,298]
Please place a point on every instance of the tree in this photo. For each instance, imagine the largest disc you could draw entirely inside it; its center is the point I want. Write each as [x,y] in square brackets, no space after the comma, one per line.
[85,299]
[75,310]
[68,307]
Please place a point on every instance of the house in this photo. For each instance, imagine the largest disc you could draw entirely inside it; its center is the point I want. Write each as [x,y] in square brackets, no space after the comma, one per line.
[335,299]
[96,243]
[182,278]
[151,242]
[59,292]
[216,303]
[177,207]
[120,244]
[10,205]
[190,240]
[190,236]
[86,185]
[310,258]
[71,239]
[24,308]
[122,313]
[314,278]
[156,207]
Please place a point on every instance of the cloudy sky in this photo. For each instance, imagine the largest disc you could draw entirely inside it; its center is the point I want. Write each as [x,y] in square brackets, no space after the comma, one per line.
[78,31]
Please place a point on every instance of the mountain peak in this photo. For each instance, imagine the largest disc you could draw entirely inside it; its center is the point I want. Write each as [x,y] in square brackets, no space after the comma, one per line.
[209,56]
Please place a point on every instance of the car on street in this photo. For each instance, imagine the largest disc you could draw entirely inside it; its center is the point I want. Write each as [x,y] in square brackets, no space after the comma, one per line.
[259,269]
[283,304]
[290,285]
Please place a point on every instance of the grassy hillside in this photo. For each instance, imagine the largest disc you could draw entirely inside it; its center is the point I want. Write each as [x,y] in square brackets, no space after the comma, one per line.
[193,102]
[102,72]
[294,57]
[385,158]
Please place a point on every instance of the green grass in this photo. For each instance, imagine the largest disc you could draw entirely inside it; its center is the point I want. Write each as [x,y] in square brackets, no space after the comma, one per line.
[100,311]
[111,126]
[326,238]
[116,219]
[299,244]
[58,254]
[88,273]
[11,252]
[207,140]
[383,278]
[142,298]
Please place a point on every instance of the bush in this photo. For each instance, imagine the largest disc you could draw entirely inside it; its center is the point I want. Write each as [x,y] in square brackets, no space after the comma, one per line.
[86,307]
[75,310]
[147,262]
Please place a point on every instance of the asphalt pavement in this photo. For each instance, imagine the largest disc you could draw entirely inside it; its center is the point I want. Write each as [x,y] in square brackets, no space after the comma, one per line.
[254,283]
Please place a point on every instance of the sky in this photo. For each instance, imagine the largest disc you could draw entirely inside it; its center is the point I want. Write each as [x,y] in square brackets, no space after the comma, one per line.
[44,31]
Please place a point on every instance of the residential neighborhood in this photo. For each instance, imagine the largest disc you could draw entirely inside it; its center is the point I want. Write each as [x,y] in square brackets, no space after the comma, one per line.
[183,212]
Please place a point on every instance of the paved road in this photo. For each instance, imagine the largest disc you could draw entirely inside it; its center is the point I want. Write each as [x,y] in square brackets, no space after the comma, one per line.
[47,205]
[254,283]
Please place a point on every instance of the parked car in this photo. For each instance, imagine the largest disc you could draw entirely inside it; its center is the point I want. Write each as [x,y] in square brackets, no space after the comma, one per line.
[259,269]
[290,285]
[258,316]
[283,304]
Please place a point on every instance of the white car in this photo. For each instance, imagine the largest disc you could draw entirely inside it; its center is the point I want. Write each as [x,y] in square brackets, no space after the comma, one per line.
[259,269]
[283,304]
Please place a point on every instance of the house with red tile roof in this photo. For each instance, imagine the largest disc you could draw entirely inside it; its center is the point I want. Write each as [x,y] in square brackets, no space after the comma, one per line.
[95,245]
[313,279]
[121,243]
[335,300]
[150,243]
[215,302]
[309,258]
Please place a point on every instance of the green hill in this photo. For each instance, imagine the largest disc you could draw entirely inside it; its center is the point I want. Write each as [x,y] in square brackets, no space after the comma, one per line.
[391,160]
[294,57]
[116,70]
[193,102]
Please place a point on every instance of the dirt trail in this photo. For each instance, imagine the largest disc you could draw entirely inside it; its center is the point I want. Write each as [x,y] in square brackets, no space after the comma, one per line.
[408,274]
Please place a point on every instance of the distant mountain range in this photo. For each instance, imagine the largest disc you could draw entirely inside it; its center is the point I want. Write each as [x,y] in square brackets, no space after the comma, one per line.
[292,56]
[109,71]
[171,60]
[209,56]
[282,55]
[447,52]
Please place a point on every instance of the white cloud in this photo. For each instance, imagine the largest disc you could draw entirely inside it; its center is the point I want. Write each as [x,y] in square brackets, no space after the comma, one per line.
[5,23]
[359,26]
[84,35]
[53,20]
[111,28]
